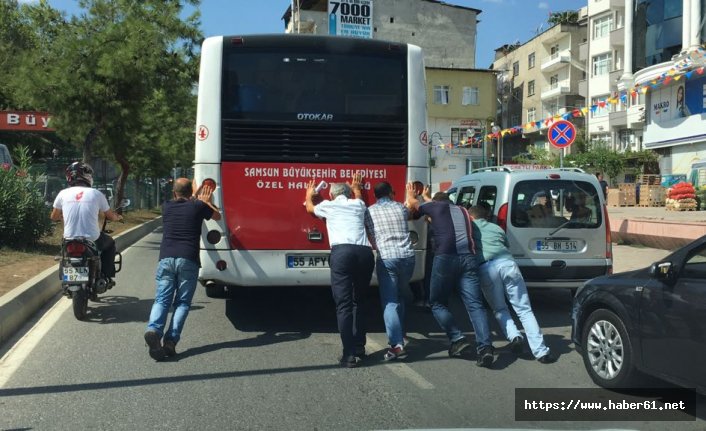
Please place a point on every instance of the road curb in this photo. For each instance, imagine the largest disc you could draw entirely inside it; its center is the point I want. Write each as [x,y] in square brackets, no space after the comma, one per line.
[20,304]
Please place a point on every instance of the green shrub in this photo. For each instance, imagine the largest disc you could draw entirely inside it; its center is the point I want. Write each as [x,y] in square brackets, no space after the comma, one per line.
[24,218]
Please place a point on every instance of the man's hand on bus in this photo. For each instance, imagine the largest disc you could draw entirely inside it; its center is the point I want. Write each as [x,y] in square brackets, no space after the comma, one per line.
[356,185]
[411,201]
[206,196]
[426,194]
[310,193]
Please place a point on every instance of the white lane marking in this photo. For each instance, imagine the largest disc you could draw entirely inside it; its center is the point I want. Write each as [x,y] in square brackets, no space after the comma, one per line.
[14,358]
[403,370]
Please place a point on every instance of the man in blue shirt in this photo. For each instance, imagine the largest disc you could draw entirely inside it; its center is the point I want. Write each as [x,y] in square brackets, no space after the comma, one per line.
[179,264]
[386,223]
[455,266]
[351,261]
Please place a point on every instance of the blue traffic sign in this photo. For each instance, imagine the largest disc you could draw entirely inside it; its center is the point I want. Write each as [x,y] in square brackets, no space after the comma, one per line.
[561,134]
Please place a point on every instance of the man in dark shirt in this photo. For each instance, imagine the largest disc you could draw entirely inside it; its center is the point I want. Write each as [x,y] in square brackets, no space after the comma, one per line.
[179,264]
[455,266]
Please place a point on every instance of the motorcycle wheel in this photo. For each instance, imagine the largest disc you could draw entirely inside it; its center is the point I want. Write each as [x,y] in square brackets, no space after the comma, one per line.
[80,301]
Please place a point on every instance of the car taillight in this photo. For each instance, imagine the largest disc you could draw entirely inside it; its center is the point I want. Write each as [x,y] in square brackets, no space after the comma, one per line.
[502,217]
[75,249]
[608,240]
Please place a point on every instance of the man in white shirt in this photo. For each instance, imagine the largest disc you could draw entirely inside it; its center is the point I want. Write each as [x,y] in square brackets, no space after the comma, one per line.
[79,207]
[351,261]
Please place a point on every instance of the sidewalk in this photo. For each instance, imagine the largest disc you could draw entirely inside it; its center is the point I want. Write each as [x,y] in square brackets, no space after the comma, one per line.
[655,226]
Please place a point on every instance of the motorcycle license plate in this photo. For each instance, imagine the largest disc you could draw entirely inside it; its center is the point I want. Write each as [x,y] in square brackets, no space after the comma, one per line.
[75,273]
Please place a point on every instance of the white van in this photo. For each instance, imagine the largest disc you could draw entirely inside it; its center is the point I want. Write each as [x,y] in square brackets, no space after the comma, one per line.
[556,221]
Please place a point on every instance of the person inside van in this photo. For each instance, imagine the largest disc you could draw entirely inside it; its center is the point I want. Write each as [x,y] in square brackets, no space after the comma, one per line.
[579,211]
[540,209]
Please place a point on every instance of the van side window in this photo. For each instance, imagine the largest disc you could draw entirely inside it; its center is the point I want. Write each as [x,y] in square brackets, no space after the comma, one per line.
[488,195]
[465,196]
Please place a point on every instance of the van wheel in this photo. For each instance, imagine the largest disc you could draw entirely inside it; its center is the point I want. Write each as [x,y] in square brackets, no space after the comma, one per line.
[214,290]
[607,351]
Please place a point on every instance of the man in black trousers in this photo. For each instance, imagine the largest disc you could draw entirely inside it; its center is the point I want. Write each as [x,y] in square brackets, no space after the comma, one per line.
[351,261]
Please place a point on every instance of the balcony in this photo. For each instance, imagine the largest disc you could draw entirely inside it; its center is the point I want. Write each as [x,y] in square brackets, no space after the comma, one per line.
[557,89]
[614,76]
[617,37]
[636,117]
[556,61]
[583,88]
[583,51]
[617,4]
[618,118]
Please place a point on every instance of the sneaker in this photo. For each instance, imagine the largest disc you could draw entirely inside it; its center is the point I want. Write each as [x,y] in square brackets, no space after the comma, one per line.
[485,357]
[152,339]
[457,347]
[349,361]
[169,347]
[548,358]
[517,345]
[397,352]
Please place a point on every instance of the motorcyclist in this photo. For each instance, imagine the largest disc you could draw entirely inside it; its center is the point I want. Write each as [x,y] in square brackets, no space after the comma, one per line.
[79,206]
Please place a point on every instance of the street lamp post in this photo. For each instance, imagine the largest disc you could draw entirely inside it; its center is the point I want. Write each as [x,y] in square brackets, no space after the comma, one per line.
[496,131]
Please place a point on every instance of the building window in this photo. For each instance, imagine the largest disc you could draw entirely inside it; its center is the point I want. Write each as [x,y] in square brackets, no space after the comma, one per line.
[601,64]
[530,88]
[515,68]
[602,26]
[441,94]
[470,96]
[553,81]
[530,61]
[531,115]
[627,139]
[600,111]
[600,140]
[552,108]
[515,120]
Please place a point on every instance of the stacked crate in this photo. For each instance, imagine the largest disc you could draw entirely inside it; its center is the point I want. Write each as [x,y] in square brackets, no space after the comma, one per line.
[630,199]
[616,198]
[652,196]
[649,180]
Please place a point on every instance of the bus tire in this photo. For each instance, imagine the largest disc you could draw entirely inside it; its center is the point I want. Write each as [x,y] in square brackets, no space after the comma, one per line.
[214,290]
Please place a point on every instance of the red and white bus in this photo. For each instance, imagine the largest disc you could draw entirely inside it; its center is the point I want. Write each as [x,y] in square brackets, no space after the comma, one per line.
[275,111]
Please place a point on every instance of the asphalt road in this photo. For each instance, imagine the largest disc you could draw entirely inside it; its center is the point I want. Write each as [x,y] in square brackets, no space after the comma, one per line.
[267,359]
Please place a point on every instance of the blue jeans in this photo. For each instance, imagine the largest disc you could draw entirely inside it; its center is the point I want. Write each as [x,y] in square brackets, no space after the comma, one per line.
[460,272]
[176,282]
[500,279]
[393,275]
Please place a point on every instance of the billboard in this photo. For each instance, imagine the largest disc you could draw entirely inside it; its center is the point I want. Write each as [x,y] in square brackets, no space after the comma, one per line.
[352,18]
[678,101]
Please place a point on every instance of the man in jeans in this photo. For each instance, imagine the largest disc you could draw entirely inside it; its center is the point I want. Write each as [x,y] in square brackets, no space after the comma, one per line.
[351,261]
[179,264]
[455,267]
[386,223]
[500,279]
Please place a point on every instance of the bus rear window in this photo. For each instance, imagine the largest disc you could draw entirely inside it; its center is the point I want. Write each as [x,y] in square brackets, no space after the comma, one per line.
[554,203]
[308,86]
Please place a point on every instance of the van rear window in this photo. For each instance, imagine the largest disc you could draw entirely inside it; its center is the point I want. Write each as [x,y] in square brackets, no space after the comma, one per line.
[555,203]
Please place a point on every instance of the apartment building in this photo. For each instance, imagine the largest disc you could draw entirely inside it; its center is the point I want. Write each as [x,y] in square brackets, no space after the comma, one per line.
[460,98]
[538,80]
[615,118]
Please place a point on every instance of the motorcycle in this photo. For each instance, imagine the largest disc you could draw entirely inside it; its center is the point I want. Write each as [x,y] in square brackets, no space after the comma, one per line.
[80,272]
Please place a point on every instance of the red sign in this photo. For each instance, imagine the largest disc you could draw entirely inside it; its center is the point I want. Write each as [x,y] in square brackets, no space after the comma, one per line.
[561,134]
[202,133]
[25,121]
[263,202]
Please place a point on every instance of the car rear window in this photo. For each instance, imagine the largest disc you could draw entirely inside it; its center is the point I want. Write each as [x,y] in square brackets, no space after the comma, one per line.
[555,203]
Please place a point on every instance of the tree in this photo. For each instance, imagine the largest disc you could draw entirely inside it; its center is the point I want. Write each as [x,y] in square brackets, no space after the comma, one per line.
[538,156]
[599,158]
[97,73]
[565,17]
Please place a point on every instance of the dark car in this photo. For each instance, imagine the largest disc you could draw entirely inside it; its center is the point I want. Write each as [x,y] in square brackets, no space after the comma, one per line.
[651,320]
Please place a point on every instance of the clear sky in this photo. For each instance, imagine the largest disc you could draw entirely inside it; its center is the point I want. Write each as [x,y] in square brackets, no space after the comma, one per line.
[501,22]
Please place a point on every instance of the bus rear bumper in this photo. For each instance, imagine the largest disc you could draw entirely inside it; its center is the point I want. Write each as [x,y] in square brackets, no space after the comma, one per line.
[269,268]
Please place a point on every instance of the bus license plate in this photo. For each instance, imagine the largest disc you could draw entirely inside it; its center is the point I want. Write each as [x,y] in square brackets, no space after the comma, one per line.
[78,273]
[303,261]
[544,245]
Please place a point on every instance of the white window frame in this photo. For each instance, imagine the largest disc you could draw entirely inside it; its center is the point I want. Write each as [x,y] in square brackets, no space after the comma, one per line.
[601,64]
[531,115]
[531,61]
[602,26]
[441,94]
[515,68]
[471,96]
[531,88]
[600,112]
